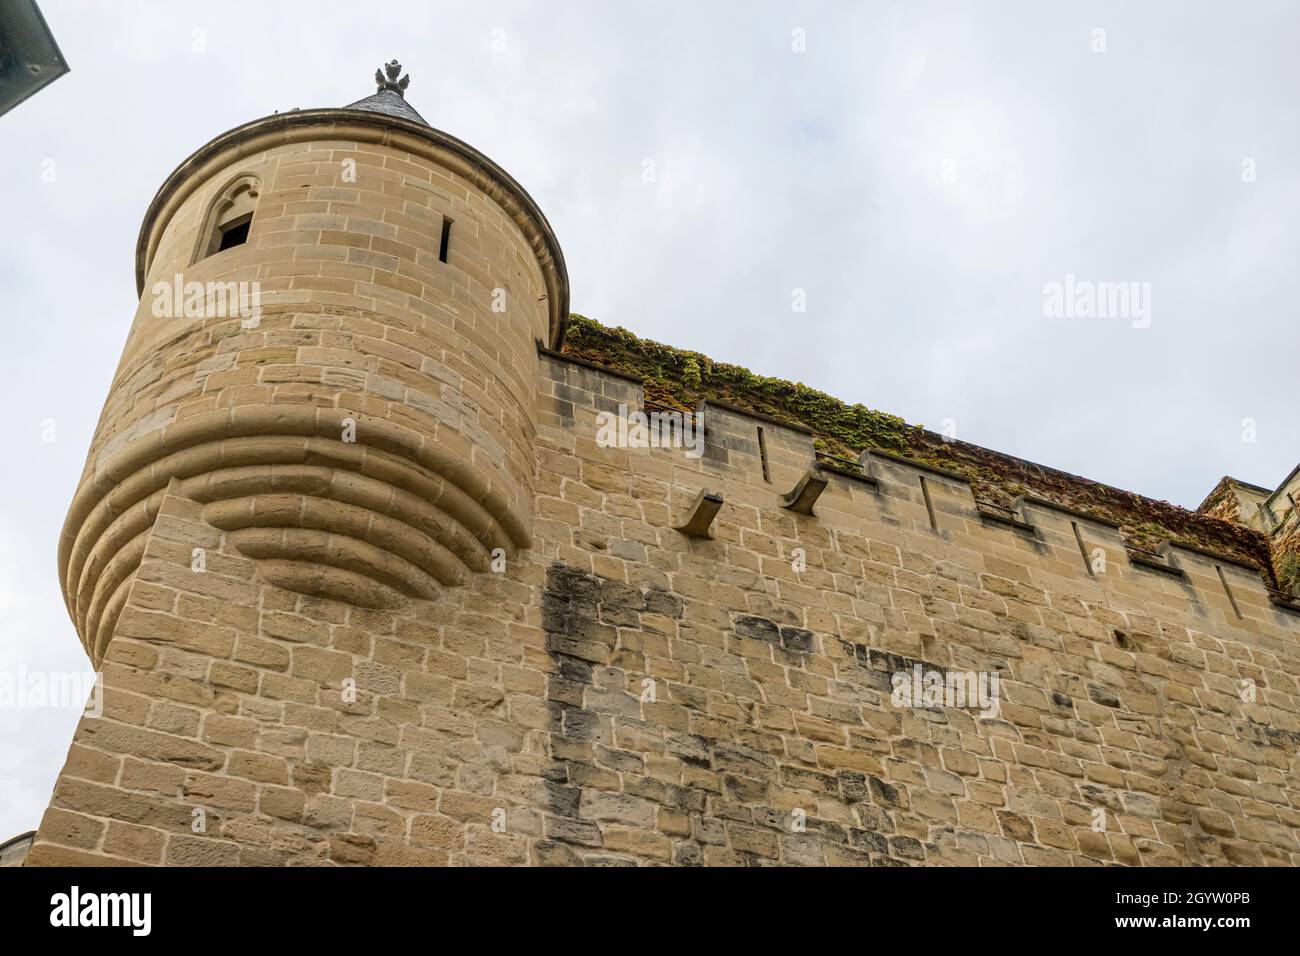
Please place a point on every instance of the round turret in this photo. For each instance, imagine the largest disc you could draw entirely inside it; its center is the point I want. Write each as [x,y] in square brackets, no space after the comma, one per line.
[335,354]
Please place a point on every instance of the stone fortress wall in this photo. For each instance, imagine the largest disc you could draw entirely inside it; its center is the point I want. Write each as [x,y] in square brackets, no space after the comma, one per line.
[366,588]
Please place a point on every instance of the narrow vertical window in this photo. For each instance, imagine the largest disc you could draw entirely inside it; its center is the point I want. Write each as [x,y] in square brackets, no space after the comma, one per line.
[1228,591]
[929,505]
[230,219]
[762,453]
[1083,549]
[446,239]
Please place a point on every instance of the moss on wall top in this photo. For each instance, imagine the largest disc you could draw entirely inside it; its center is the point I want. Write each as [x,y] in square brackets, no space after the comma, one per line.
[682,379]
[1222,501]
[1286,556]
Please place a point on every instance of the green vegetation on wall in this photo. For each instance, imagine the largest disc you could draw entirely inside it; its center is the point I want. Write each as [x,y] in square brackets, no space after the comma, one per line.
[682,379]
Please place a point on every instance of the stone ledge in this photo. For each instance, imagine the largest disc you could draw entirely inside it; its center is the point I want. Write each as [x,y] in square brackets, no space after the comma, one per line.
[1151,564]
[1284,602]
[1168,545]
[585,363]
[1008,520]
[858,476]
[748,413]
[919,465]
[1037,502]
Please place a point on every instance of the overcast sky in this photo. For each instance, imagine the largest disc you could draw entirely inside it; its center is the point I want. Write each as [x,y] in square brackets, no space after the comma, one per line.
[920,170]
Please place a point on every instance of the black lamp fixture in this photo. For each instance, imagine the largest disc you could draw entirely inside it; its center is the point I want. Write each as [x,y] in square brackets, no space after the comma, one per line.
[29,57]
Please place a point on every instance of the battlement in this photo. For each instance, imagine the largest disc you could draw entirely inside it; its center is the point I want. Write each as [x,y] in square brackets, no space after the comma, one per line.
[681,379]
[760,459]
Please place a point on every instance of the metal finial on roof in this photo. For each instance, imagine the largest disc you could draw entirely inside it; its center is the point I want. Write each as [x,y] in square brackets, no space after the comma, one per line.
[393,69]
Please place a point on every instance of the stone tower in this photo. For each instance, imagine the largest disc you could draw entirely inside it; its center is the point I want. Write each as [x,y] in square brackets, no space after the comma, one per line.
[328,388]
[387,559]
[334,355]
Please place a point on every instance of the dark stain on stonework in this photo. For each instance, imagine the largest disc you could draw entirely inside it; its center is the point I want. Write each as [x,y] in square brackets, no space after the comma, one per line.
[583,616]
[1275,736]
[885,793]
[757,628]
[791,639]
[1102,695]
[879,668]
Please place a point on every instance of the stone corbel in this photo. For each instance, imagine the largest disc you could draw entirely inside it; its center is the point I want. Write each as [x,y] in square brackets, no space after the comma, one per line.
[700,515]
[806,492]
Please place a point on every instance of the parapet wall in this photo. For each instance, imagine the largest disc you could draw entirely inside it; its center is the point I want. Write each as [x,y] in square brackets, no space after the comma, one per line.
[681,379]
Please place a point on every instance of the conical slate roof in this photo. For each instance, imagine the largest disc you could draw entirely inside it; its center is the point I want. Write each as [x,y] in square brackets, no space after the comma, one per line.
[390,98]
[390,104]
